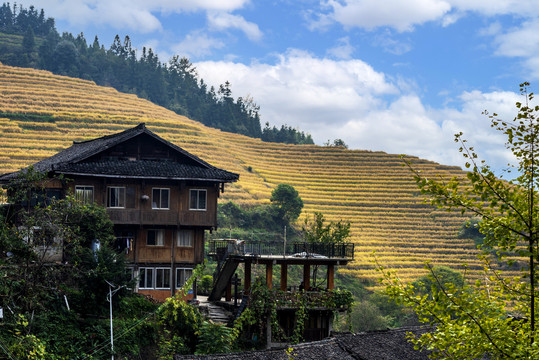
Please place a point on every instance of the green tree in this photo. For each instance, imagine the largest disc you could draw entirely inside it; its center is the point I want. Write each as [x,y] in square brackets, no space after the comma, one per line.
[439,276]
[287,202]
[495,318]
[29,48]
[214,338]
[316,230]
[51,295]
[337,143]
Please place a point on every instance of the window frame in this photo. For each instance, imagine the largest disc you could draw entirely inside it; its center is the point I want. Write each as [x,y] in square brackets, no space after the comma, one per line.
[121,199]
[84,199]
[152,277]
[179,238]
[198,192]
[183,269]
[163,269]
[159,205]
[157,231]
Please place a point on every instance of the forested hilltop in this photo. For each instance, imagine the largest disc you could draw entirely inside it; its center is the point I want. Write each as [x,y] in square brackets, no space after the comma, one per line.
[29,39]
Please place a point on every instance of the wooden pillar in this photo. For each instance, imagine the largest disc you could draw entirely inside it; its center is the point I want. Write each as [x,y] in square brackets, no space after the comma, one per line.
[331,276]
[247,282]
[269,275]
[306,276]
[284,277]
[228,294]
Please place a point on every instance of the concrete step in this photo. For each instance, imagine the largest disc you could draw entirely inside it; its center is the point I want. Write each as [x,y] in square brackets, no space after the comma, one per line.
[218,314]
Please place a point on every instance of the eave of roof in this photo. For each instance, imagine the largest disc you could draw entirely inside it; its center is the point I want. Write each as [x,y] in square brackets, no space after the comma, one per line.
[147,177]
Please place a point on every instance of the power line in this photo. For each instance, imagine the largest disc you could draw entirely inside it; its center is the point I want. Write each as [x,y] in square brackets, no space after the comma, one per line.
[6,350]
[106,343]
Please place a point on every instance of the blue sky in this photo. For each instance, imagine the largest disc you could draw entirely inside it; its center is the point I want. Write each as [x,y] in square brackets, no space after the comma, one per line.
[400,76]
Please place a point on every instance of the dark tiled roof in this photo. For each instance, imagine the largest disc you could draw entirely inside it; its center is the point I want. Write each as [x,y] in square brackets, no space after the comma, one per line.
[146,169]
[384,345]
[71,160]
[375,345]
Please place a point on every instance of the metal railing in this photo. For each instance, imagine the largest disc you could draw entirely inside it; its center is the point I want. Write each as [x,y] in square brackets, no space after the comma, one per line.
[276,248]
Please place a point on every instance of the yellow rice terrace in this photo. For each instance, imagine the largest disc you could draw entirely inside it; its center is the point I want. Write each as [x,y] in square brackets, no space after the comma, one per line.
[41,114]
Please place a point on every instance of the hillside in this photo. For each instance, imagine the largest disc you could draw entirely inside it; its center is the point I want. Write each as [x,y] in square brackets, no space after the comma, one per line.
[28,39]
[41,113]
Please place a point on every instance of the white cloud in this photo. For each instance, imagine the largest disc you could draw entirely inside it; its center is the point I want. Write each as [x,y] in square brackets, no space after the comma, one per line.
[197,44]
[398,14]
[223,21]
[404,15]
[348,99]
[521,8]
[522,41]
[343,50]
[386,41]
[302,90]
[136,15]
[116,14]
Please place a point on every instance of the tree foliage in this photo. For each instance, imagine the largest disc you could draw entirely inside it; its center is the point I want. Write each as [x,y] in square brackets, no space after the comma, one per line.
[495,317]
[286,134]
[316,230]
[287,202]
[337,143]
[46,303]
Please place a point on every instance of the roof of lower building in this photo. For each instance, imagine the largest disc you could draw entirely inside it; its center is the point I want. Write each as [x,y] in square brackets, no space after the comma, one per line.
[374,345]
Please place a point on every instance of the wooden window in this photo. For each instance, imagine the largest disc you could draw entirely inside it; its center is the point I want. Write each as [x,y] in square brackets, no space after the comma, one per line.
[197,199]
[155,237]
[162,278]
[84,193]
[182,275]
[130,196]
[185,238]
[160,198]
[116,197]
[146,280]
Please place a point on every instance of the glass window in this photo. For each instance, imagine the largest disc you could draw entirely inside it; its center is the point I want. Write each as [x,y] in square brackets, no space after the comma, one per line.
[154,278]
[145,278]
[130,196]
[197,199]
[156,237]
[162,278]
[160,198]
[182,275]
[116,197]
[84,193]
[185,238]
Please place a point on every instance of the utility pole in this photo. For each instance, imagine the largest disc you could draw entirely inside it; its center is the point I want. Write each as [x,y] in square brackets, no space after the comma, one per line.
[109,299]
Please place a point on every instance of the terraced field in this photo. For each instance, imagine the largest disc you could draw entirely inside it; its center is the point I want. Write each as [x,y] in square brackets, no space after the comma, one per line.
[41,113]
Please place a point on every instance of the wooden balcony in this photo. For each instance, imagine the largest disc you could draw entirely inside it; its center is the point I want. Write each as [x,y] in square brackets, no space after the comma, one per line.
[162,217]
[291,250]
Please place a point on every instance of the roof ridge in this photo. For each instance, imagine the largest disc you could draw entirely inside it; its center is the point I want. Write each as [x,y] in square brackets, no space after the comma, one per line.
[141,126]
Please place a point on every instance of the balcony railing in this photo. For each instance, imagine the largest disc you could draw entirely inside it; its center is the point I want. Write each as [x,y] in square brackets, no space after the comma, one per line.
[161,217]
[293,249]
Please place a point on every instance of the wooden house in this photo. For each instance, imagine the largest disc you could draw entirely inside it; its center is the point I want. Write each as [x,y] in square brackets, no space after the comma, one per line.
[160,198]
